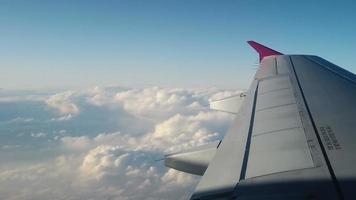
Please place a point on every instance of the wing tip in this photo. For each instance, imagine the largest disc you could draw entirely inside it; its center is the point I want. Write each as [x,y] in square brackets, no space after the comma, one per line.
[262,50]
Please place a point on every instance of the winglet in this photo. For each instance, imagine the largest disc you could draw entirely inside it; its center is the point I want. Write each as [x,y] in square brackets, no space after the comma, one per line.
[263,50]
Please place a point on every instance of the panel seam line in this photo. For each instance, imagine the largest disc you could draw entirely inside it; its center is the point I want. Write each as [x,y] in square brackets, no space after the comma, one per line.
[276,131]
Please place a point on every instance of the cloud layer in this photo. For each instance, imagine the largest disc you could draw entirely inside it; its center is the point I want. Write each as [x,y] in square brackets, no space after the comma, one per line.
[116,159]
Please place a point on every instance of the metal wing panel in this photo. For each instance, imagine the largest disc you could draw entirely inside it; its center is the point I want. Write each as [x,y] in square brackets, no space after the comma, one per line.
[295,137]
[272,173]
[278,140]
[271,143]
[275,97]
[269,68]
[278,151]
[330,95]
[278,83]
[229,164]
[275,119]
[304,184]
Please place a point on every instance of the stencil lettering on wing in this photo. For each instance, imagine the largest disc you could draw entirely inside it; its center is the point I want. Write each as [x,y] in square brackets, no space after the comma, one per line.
[329,138]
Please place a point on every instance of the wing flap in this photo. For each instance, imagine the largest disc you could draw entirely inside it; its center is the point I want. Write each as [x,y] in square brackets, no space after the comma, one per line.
[277,152]
[193,161]
[278,140]
[230,104]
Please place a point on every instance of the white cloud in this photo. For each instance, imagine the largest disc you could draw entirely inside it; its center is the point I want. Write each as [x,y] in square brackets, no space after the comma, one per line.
[133,171]
[180,132]
[104,172]
[159,102]
[10,146]
[176,133]
[99,96]
[76,143]
[20,119]
[62,103]
[39,135]
[120,165]
[62,118]
[21,98]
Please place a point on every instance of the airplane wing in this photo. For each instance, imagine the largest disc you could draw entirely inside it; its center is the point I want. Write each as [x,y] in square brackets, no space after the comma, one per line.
[294,135]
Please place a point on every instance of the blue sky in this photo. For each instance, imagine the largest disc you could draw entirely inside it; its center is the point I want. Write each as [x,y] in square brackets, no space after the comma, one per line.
[59,44]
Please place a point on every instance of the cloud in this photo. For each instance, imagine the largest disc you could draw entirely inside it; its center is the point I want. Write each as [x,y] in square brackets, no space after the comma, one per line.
[62,118]
[105,172]
[131,171]
[21,98]
[151,102]
[10,146]
[180,132]
[176,133]
[39,135]
[20,119]
[76,143]
[100,96]
[62,103]
[118,163]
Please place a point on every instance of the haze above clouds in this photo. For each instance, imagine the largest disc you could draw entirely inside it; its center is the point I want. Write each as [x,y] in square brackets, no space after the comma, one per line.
[102,142]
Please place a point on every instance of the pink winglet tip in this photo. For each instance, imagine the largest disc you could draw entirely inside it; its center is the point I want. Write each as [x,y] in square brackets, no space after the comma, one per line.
[263,50]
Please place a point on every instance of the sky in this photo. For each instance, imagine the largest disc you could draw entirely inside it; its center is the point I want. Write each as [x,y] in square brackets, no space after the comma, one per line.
[93,93]
[66,44]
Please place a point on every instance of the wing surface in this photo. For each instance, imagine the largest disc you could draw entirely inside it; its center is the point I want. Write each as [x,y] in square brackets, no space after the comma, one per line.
[294,137]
